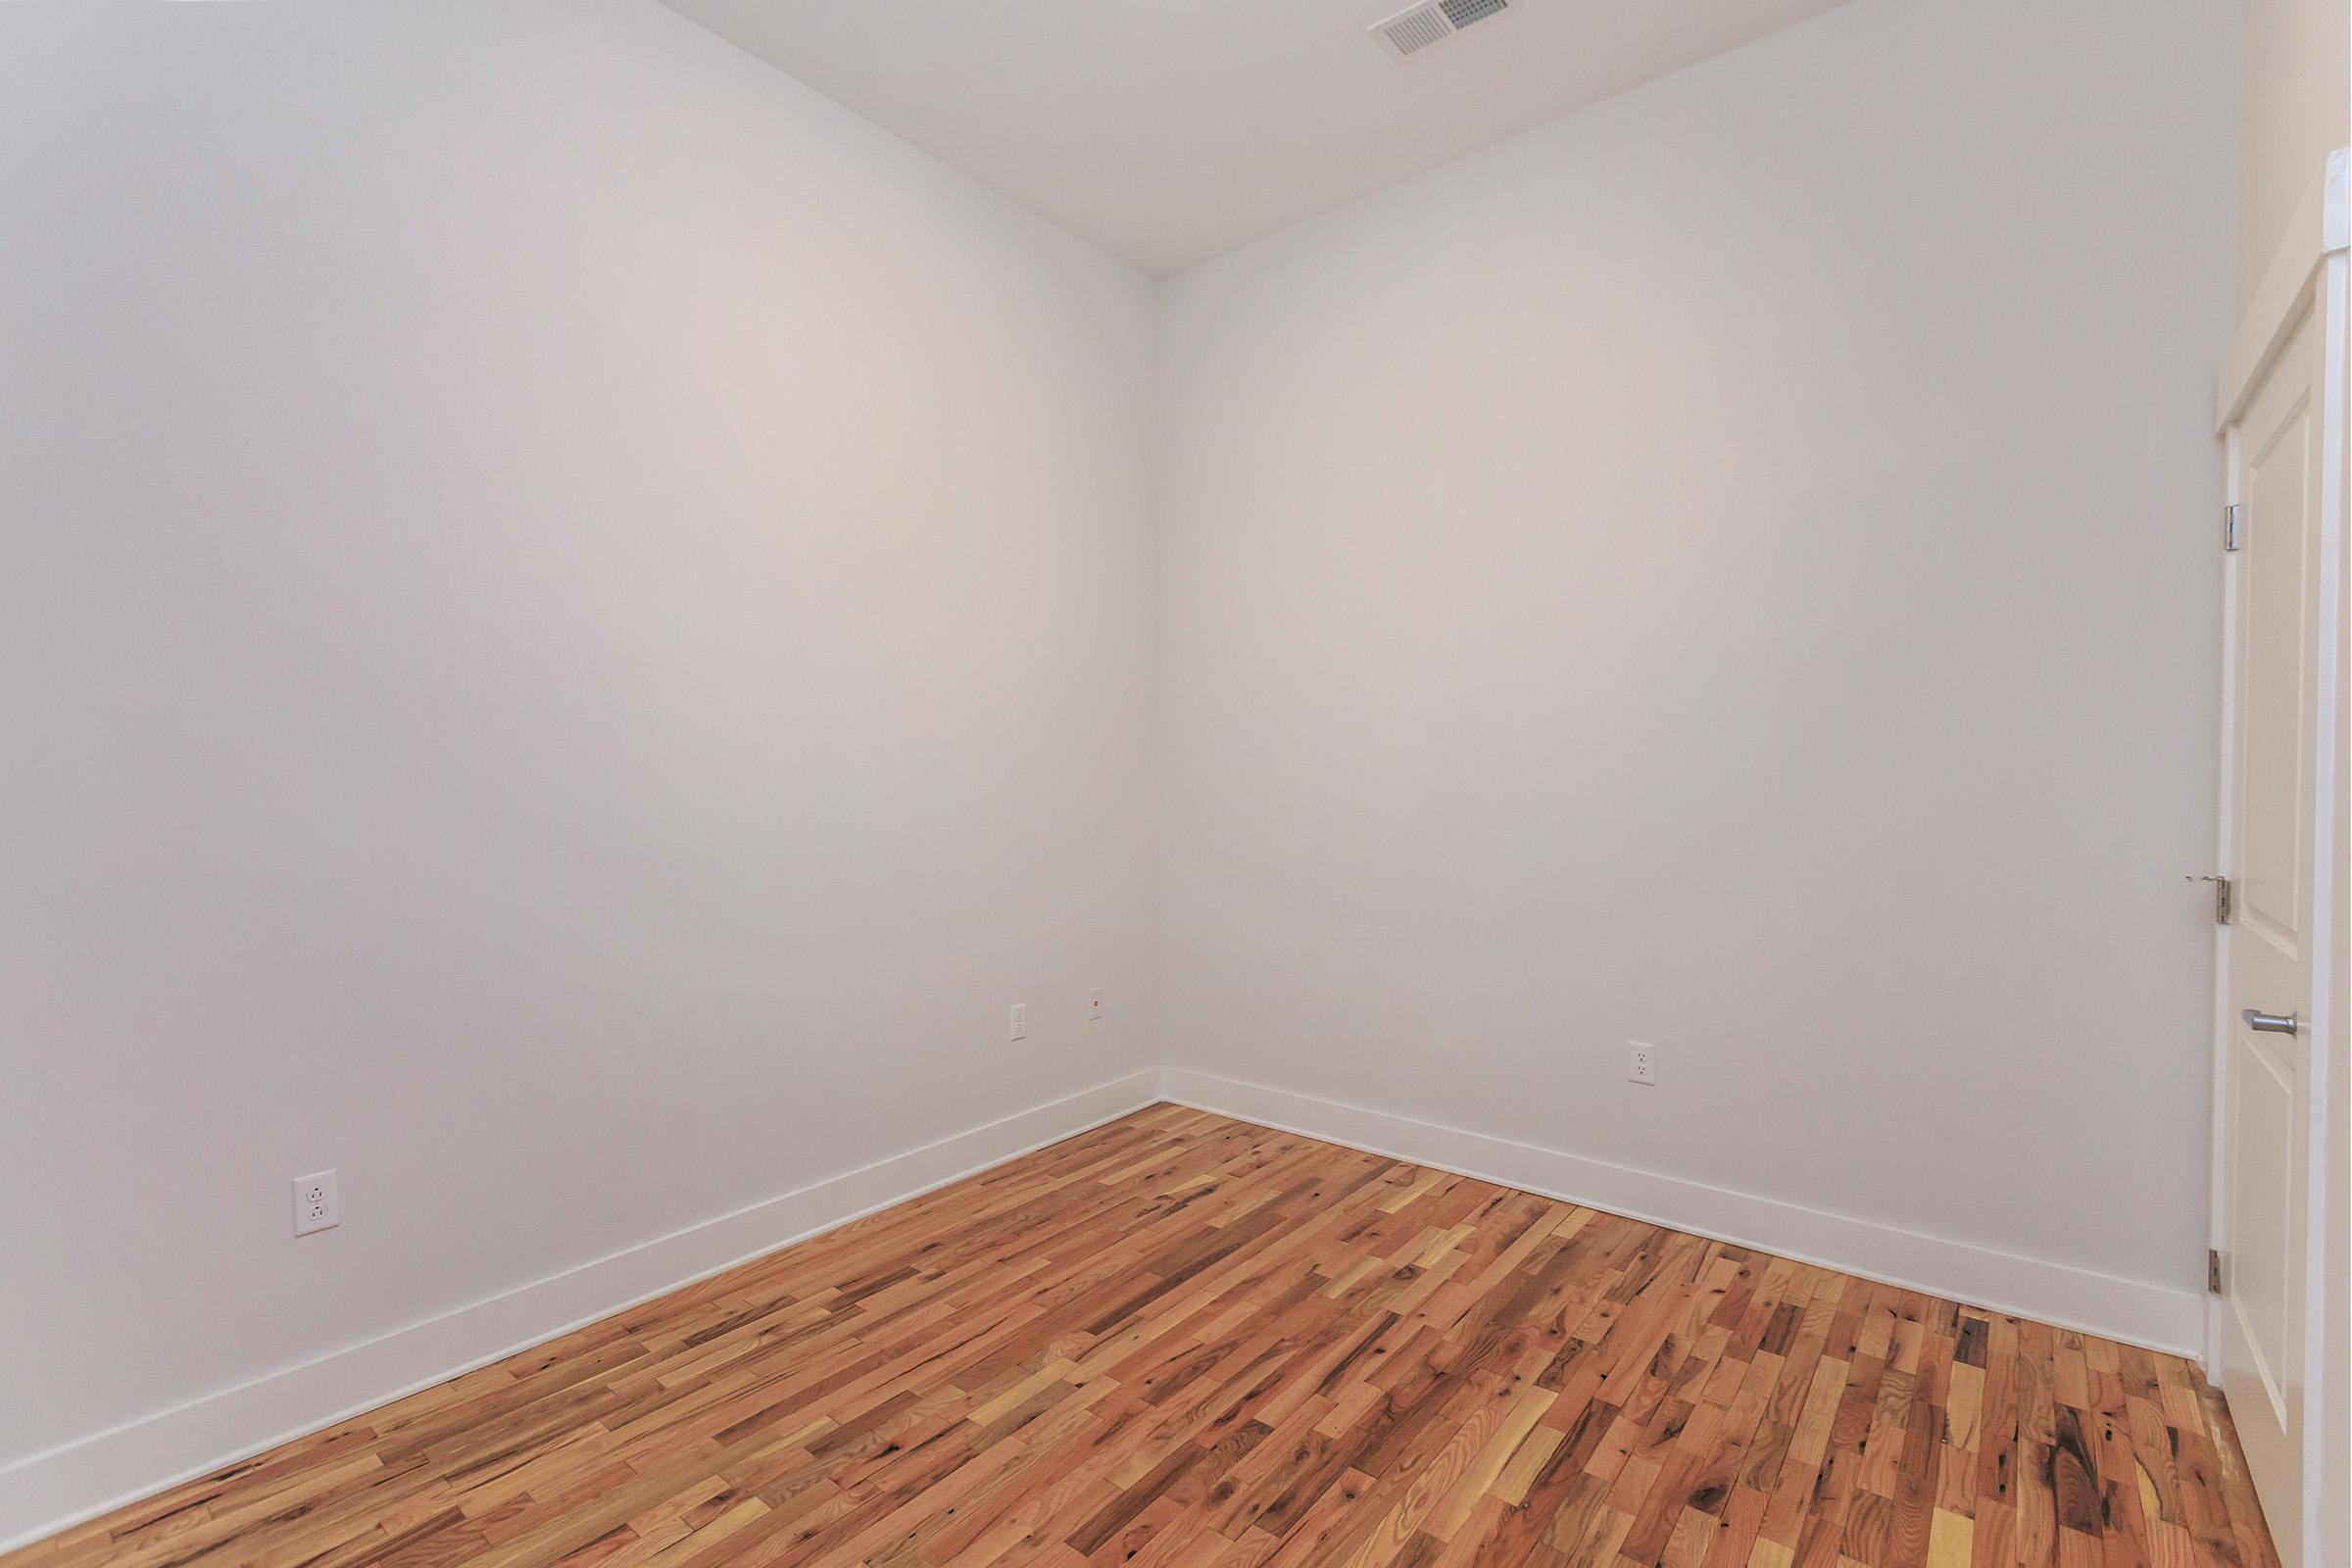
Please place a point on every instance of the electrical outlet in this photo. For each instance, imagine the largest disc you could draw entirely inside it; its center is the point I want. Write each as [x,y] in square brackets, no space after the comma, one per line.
[315,1205]
[1094,1005]
[1019,1027]
[1641,1066]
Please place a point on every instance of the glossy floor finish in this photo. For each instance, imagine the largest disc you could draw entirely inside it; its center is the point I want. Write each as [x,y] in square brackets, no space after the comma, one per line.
[1183,1339]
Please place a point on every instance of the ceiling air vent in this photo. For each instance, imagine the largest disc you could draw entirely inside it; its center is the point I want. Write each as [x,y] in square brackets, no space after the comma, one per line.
[1424,26]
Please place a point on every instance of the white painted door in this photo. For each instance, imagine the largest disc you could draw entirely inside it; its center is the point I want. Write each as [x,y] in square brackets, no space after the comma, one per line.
[2265,1201]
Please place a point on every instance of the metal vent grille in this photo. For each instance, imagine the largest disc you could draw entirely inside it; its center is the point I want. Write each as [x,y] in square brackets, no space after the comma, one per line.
[1462,13]
[1435,21]
[1416,29]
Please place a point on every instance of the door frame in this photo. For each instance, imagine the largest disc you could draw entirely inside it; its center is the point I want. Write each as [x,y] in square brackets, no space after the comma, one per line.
[2309,272]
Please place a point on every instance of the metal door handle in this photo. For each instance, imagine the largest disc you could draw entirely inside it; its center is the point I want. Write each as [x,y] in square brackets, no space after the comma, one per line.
[2270,1023]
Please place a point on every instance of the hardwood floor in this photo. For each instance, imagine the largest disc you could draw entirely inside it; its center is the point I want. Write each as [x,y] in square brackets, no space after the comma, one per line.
[1184,1341]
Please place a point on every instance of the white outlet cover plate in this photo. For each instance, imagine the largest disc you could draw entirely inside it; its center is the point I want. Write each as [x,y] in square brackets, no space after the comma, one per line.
[1019,1028]
[1642,1062]
[316,1206]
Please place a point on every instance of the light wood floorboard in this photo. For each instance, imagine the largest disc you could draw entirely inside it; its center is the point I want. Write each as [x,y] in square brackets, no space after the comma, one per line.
[1186,1341]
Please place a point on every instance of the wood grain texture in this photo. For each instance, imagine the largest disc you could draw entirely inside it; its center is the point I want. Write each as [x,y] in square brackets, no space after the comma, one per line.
[1186,1341]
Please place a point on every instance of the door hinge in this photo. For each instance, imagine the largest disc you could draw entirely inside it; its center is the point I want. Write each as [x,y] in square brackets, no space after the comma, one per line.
[2230,516]
[2213,1271]
[2224,897]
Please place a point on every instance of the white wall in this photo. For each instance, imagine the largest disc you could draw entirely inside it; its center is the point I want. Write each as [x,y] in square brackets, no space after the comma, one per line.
[2296,93]
[576,626]
[1736,568]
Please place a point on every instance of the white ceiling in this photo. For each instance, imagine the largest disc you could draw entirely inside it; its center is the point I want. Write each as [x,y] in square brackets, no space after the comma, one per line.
[1167,132]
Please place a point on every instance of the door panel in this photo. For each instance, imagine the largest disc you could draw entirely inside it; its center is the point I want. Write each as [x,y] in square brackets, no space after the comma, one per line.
[2262,1221]
[2280,490]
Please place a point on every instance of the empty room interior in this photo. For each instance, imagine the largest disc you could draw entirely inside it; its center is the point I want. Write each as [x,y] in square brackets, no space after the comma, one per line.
[1179,783]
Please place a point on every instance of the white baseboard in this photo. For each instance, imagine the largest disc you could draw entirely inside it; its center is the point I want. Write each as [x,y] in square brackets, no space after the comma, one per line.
[2134,1312]
[48,1492]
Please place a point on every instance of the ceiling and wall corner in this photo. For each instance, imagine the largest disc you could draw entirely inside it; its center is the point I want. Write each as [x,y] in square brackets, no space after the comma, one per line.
[1167,134]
